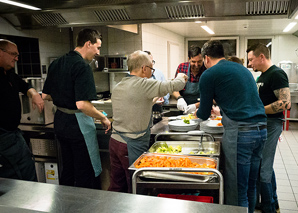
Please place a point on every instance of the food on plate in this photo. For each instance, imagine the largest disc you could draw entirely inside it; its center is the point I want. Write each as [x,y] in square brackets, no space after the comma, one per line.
[186,121]
[218,118]
[157,161]
[164,148]
[188,117]
[219,124]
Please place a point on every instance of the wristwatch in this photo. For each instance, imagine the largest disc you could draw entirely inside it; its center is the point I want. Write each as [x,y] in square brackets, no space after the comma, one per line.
[179,97]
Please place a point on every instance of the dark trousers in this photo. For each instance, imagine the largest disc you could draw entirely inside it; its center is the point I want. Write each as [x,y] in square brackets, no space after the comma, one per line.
[120,179]
[76,166]
[16,159]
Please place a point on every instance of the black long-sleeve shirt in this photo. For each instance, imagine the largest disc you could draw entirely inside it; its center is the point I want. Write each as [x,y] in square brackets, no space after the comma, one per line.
[10,107]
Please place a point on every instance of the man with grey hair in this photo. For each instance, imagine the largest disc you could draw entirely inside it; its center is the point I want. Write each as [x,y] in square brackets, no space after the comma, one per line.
[15,157]
[133,98]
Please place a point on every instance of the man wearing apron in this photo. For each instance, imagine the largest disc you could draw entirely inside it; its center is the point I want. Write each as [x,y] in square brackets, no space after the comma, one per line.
[273,86]
[233,88]
[187,99]
[132,100]
[16,159]
[70,84]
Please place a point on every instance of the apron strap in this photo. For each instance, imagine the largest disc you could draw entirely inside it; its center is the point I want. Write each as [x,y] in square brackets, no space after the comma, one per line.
[68,111]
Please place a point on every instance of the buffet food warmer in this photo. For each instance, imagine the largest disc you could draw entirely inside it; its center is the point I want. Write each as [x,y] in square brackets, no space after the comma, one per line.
[199,149]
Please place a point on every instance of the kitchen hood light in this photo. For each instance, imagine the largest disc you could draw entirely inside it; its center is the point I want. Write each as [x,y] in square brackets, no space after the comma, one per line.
[198,22]
[207,29]
[289,27]
[19,5]
[296,17]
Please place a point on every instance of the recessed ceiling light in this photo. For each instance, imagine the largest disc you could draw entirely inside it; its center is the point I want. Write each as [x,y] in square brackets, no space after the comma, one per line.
[289,27]
[20,5]
[207,29]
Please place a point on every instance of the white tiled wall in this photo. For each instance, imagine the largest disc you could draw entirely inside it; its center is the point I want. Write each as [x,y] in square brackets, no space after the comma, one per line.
[155,39]
[122,42]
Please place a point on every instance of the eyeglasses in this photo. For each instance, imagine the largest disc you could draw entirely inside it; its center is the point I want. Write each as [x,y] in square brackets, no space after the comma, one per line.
[152,70]
[13,54]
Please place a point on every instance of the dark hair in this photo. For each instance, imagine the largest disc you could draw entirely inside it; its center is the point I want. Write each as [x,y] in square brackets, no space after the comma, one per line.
[213,49]
[87,35]
[258,49]
[235,59]
[193,51]
[148,52]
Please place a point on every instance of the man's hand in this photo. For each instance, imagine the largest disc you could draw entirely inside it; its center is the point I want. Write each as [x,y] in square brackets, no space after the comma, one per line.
[106,123]
[182,75]
[181,104]
[37,101]
[190,109]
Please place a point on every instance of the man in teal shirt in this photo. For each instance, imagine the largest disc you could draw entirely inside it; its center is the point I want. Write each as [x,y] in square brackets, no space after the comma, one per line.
[233,88]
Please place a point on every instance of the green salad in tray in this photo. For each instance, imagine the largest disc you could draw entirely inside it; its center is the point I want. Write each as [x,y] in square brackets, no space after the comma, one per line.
[164,148]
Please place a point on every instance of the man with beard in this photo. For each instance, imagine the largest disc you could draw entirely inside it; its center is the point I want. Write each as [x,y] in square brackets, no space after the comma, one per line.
[187,99]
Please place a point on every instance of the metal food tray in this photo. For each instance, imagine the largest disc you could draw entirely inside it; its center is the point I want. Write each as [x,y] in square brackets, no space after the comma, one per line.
[191,146]
[177,174]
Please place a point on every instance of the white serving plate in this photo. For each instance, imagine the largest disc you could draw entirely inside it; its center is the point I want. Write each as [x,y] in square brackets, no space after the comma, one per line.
[179,125]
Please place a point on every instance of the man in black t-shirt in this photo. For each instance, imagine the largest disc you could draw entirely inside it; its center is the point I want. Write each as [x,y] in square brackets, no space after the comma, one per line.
[15,156]
[273,86]
[70,84]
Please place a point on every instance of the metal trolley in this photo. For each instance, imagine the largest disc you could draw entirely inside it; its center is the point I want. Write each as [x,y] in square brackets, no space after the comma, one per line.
[178,181]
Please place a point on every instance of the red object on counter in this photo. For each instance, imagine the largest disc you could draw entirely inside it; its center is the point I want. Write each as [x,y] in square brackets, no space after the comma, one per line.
[204,199]
[288,122]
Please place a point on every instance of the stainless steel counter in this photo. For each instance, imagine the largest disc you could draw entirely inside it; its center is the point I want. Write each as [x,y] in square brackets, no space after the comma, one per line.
[22,196]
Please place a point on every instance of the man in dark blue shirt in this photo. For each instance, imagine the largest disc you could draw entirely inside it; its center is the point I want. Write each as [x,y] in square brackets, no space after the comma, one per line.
[233,88]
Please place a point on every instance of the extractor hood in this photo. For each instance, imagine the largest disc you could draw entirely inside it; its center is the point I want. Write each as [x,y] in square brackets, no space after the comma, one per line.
[72,13]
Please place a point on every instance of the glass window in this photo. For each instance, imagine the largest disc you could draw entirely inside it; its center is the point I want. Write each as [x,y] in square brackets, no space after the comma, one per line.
[230,44]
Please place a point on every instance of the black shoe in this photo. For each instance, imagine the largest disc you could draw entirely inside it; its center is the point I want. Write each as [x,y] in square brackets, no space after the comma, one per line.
[258,206]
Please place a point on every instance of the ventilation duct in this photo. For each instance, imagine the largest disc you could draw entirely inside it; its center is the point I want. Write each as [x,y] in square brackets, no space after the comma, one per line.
[267,7]
[49,19]
[185,11]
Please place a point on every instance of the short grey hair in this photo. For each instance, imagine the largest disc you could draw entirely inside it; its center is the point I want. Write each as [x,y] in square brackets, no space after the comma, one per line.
[4,43]
[137,60]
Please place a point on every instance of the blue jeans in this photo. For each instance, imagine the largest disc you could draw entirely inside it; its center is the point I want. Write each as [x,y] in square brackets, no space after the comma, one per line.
[249,149]
[267,181]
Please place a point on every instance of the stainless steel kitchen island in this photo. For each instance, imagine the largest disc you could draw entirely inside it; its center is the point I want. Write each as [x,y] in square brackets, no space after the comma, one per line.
[23,196]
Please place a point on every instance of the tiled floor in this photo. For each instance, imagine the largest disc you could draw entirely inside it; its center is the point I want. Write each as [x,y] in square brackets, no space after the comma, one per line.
[286,169]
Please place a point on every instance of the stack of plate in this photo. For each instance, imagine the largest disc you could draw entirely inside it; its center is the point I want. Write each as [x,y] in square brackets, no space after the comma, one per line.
[180,126]
[211,126]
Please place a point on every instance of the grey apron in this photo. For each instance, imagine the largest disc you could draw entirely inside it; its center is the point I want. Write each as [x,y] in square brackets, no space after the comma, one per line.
[88,129]
[229,146]
[192,91]
[137,146]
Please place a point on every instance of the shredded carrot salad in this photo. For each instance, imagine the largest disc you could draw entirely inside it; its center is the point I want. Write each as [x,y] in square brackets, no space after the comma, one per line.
[157,161]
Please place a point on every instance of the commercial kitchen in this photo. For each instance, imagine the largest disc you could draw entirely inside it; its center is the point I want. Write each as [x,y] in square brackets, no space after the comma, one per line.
[167,29]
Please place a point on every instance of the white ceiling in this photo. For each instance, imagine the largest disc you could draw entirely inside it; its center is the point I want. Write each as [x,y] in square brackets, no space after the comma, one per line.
[251,27]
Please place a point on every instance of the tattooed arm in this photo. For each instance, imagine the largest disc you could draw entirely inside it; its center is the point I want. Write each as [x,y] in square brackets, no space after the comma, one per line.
[284,101]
